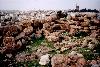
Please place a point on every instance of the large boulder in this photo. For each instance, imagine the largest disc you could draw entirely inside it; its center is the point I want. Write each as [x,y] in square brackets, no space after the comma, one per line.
[25,23]
[44,59]
[56,27]
[59,60]
[36,24]
[61,14]
[53,37]
[73,59]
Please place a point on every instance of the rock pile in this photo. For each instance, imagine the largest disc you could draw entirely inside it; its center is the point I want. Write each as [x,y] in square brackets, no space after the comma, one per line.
[14,36]
[73,60]
[65,31]
[78,25]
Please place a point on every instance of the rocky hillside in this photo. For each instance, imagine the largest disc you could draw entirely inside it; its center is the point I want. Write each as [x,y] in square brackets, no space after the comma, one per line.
[58,40]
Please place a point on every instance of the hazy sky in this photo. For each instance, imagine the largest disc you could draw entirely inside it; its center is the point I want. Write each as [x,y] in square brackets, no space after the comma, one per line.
[47,4]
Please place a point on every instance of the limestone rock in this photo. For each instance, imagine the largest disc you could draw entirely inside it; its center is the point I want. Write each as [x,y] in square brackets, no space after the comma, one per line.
[44,59]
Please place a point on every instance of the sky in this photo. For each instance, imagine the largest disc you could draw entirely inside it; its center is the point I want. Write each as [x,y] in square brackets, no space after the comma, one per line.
[47,4]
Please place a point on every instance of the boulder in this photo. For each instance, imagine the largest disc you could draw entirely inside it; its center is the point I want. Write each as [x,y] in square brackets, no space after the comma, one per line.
[52,38]
[28,30]
[25,23]
[90,42]
[44,60]
[10,30]
[21,35]
[65,26]
[20,57]
[9,42]
[59,60]
[56,27]
[46,25]
[94,34]
[37,25]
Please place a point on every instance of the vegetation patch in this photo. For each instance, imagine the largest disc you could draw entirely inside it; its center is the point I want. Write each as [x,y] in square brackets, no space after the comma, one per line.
[87,53]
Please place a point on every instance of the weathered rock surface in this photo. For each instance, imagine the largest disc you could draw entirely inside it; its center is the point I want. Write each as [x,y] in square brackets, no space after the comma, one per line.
[67,33]
[61,60]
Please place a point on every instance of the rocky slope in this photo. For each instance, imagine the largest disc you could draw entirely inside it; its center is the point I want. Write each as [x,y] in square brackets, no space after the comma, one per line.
[60,40]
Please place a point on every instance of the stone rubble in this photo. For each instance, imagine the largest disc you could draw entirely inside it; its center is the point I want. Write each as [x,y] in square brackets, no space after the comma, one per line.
[61,60]
[65,31]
